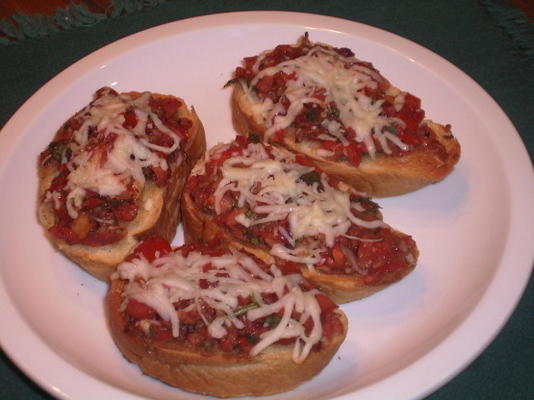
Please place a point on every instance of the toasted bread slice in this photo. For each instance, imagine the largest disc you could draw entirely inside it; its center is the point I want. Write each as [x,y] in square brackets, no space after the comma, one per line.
[358,262]
[199,363]
[156,200]
[358,127]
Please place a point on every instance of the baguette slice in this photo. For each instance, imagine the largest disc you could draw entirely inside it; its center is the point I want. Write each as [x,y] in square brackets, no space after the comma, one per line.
[157,202]
[363,259]
[196,363]
[384,148]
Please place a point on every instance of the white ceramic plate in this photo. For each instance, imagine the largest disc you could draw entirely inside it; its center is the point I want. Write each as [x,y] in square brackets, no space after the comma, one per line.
[473,229]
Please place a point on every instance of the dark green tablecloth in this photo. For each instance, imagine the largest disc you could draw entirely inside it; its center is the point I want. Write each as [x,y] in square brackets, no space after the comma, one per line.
[486,41]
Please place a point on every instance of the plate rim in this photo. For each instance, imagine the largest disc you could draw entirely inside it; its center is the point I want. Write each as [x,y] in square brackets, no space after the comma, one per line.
[315,21]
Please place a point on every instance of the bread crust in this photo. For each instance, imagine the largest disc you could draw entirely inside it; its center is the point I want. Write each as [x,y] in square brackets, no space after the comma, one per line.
[217,373]
[199,227]
[381,176]
[158,212]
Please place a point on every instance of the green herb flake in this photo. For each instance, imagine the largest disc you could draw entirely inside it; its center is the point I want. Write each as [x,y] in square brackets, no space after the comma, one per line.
[391,128]
[254,137]
[333,113]
[252,339]
[251,214]
[231,82]
[310,178]
[244,309]
[273,321]
[57,150]
[312,116]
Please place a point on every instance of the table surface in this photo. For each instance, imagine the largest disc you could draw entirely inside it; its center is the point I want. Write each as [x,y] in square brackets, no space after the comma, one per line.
[494,45]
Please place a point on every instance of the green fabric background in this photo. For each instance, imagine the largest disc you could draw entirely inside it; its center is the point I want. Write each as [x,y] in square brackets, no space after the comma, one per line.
[466,32]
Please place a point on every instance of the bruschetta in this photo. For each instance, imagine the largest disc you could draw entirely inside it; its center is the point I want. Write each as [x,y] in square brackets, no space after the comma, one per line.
[220,322]
[322,102]
[281,208]
[114,173]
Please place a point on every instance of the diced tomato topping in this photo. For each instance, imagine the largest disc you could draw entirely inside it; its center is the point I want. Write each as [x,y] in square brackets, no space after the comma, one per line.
[329,145]
[192,182]
[59,181]
[165,107]
[125,211]
[411,102]
[409,138]
[339,258]
[331,325]
[160,175]
[103,237]
[383,256]
[289,267]
[161,331]
[227,343]
[304,160]
[245,72]
[139,310]
[326,304]
[64,233]
[265,84]
[278,136]
[91,203]
[150,247]
[230,219]
[354,153]
[241,141]
[130,119]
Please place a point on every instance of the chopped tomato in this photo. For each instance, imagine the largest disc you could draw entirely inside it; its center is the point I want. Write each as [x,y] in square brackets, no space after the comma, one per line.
[160,175]
[125,211]
[103,237]
[150,247]
[166,106]
[279,135]
[227,342]
[64,233]
[304,160]
[411,102]
[289,267]
[331,325]
[338,256]
[265,84]
[354,154]
[139,310]
[160,332]
[91,203]
[326,304]
[381,256]
[130,119]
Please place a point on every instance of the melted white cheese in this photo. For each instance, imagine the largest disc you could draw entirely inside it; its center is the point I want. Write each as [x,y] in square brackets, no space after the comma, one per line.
[108,169]
[344,85]
[176,277]
[274,190]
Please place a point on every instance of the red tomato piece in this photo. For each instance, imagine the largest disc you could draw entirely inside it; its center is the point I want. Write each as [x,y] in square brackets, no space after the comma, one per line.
[326,304]
[125,211]
[150,247]
[354,154]
[139,310]
[130,119]
[92,203]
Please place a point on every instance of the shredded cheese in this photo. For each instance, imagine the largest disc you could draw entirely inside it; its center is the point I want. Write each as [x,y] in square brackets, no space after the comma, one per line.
[109,167]
[176,277]
[275,190]
[343,81]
